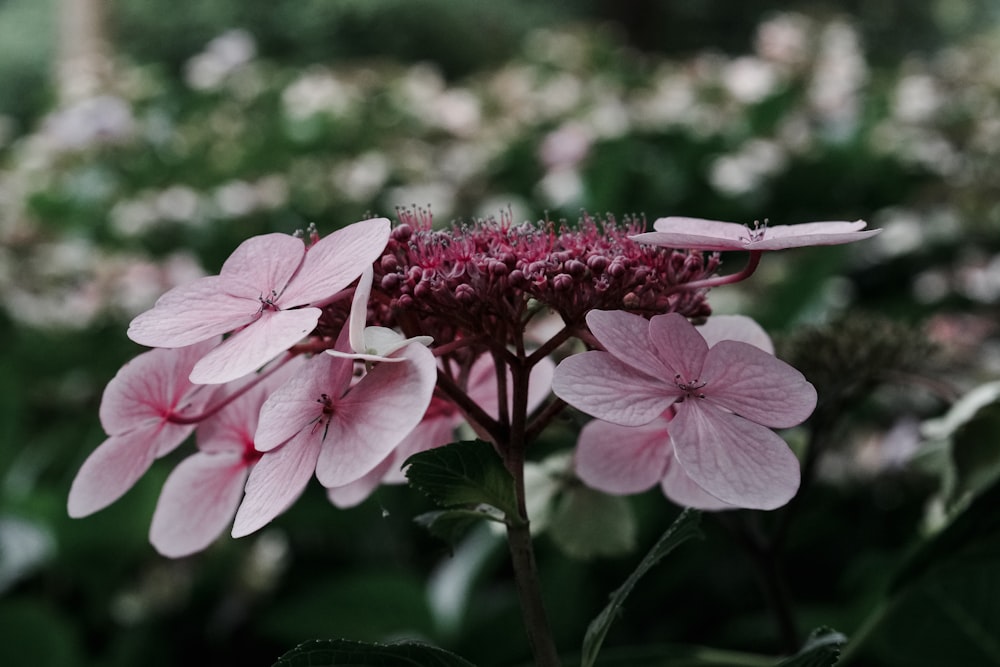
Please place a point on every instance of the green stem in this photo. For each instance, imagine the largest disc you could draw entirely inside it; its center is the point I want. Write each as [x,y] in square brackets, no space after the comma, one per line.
[522,553]
[769,577]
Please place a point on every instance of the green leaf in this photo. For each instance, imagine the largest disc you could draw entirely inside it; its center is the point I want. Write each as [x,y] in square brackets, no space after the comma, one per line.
[969,531]
[943,606]
[344,653]
[451,525]
[463,474]
[587,524]
[822,649]
[968,433]
[682,529]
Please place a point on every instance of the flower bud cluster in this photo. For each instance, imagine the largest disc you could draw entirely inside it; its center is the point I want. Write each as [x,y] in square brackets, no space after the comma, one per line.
[483,277]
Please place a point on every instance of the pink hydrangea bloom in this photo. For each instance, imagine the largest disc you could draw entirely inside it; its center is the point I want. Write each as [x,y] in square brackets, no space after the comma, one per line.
[324,421]
[726,399]
[200,497]
[137,412]
[264,293]
[630,459]
[438,426]
[698,234]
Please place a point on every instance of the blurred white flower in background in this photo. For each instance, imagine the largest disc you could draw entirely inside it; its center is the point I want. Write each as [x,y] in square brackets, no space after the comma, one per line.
[222,56]
[104,119]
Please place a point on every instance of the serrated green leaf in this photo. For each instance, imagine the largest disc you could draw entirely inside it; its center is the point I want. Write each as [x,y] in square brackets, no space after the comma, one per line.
[682,529]
[588,524]
[822,649]
[463,474]
[344,653]
[452,525]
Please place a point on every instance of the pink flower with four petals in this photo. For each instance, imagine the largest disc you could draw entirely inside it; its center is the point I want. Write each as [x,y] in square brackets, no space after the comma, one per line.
[324,421]
[698,234]
[266,294]
[726,399]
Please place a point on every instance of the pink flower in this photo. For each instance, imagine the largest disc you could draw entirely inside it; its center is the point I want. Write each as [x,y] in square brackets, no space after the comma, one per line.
[726,396]
[437,428]
[137,412]
[321,421]
[629,459]
[261,294]
[200,497]
[698,234]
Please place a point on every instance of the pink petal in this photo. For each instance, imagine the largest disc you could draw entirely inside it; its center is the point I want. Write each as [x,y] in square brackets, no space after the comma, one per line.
[696,234]
[151,386]
[622,459]
[275,482]
[754,384]
[603,387]
[358,491]
[733,459]
[250,348]
[295,405]
[679,346]
[812,234]
[194,312]
[118,463]
[335,261]
[232,428]
[626,337]
[198,501]
[375,415]
[735,327]
[264,264]
[681,489]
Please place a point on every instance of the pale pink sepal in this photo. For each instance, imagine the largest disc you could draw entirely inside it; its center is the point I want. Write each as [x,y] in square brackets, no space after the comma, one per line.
[252,347]
[713,235]
[118,463]
[733,459]
[336,260]
[679,345]
[622,459]
[198,502]
[151,386]
[608,389]
[276,481]
[191,313]
[625,336]
[264,265]
[681,489]
[296,404]
[756,385]
[375,415]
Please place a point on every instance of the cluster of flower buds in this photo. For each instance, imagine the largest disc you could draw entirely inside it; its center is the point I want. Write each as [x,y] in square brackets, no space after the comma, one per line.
[484,279]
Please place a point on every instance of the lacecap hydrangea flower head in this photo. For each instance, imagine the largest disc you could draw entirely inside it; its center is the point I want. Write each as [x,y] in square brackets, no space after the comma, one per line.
[339,357]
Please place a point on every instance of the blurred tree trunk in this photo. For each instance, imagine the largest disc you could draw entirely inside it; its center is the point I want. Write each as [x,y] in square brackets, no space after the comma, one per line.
[83,64]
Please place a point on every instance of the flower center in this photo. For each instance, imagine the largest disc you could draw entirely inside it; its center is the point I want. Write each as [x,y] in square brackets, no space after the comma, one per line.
[689,387]
[327,412]
[757,232]
[268,303]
